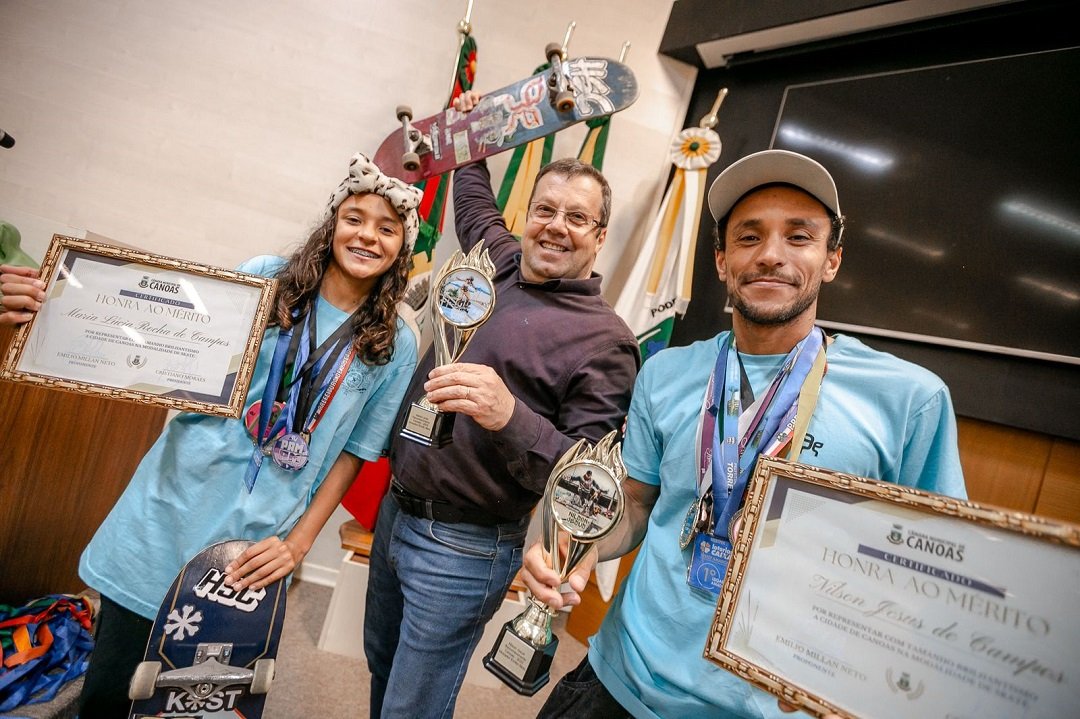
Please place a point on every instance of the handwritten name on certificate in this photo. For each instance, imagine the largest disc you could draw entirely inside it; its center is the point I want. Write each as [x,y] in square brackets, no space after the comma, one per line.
[876,609]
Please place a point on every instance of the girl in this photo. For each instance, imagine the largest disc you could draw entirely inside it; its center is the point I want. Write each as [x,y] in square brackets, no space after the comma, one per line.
[331,372]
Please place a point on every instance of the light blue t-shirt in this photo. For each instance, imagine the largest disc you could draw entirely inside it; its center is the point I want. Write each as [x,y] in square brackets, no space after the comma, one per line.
[877,416]
[188,492]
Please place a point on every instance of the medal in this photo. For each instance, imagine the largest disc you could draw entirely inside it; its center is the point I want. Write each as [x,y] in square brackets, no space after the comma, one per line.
[290,451]
[251,418]
[731,525]
[689,527]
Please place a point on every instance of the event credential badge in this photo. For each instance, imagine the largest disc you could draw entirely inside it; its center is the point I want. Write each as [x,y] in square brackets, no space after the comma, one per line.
[708,563]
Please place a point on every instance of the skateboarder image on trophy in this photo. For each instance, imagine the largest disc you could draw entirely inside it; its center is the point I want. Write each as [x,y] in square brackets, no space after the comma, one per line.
[463,300]
[583,500]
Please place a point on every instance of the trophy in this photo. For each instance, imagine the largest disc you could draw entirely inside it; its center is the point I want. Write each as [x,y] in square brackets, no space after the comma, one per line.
[583,502]
[462,298]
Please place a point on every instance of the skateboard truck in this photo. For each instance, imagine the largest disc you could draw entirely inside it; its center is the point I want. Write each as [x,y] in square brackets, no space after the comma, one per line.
[209,673]
[559,90]
[416,143]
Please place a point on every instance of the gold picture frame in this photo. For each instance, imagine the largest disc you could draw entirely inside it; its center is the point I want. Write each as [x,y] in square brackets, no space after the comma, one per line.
[135,326]
[861,598]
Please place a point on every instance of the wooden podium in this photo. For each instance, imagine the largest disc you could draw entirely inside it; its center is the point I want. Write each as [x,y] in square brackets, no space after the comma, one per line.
[64,460]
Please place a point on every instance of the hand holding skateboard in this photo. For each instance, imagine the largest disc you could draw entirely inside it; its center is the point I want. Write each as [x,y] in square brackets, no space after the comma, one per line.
[569,92]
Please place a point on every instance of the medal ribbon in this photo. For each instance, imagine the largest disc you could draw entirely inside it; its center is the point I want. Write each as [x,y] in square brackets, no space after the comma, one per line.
[298,396]
[301,389]
[771,424]
[273,381]
[342,365]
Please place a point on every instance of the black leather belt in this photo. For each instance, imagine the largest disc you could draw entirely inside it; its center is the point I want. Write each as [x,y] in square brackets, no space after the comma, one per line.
[437,509]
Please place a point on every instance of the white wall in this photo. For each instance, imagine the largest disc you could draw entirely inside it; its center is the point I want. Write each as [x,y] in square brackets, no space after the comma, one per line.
[214,131]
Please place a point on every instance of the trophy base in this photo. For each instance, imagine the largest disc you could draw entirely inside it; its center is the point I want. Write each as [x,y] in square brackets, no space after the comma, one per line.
[428,426]
[523,667]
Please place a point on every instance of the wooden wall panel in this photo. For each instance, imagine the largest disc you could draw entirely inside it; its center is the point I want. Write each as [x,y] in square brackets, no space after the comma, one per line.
[64,460]
[1060,495]
[1002,466]
[585,618]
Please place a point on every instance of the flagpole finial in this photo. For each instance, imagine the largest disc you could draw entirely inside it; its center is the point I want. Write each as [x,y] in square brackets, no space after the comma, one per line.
[465,25]
[625,49]
[566,38]
[710,120]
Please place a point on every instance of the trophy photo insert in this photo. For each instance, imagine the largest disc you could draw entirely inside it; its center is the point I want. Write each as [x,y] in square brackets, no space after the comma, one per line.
[465,297]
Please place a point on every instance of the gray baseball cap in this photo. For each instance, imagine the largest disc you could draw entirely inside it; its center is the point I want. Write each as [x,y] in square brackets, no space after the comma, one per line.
[766,167]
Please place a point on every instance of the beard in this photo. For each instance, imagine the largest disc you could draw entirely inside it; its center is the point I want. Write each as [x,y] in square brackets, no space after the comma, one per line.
[771,315]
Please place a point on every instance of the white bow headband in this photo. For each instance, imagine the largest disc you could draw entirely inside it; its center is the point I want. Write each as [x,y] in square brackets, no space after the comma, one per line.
[365,176]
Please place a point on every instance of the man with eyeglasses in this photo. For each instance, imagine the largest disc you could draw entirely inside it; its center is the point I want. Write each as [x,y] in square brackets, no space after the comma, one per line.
[552,365]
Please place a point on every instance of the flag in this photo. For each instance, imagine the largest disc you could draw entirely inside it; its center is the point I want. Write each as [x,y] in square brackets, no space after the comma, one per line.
[594,145]
[658,288]
[592,151]
[520,177]
[433,204]
[517,183]
[363,498]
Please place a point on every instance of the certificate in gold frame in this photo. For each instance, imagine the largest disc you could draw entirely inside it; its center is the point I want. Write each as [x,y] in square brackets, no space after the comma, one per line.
[862,598]
[131,325]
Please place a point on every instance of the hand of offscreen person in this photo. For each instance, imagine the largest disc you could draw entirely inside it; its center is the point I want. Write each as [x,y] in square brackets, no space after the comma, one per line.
[21,294]
[262,564]
[472,389]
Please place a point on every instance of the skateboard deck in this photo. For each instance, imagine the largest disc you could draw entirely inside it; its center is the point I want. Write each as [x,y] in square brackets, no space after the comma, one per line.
[211,651]
[584,87]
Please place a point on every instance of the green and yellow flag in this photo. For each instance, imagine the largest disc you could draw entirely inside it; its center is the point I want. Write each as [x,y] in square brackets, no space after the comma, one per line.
[659,285]
[517,183]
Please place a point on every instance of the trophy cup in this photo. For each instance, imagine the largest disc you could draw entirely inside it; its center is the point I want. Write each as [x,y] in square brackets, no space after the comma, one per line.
[582,503]
[462,298]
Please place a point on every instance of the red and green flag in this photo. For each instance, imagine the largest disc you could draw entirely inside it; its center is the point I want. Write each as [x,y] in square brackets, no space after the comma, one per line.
[363,498]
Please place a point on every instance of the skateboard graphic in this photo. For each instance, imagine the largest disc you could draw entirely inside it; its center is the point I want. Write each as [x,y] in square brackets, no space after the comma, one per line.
[211,651]
[569,92]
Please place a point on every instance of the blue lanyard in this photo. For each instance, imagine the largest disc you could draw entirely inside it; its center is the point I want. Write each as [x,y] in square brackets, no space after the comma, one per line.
[275,383]
[733,457]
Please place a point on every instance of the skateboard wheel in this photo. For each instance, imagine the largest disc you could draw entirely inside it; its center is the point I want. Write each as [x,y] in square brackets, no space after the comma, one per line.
[403,111]
[553,48]
[565,101]
[410,161]
[144,681]
[264,675]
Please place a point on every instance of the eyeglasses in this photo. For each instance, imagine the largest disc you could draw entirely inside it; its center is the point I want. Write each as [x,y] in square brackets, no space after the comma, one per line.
[575,219]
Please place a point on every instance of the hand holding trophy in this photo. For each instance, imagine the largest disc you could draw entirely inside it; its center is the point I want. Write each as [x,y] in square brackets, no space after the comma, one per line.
[462,298]
[582,503]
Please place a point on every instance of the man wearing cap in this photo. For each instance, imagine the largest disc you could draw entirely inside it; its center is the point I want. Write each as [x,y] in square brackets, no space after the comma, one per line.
[779,229]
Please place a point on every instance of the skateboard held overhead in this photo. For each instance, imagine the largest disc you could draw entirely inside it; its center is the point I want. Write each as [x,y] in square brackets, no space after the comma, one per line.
[568,92]
[212,649]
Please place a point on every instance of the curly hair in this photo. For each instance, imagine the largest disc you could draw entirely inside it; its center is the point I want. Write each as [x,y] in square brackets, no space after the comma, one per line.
[375,323]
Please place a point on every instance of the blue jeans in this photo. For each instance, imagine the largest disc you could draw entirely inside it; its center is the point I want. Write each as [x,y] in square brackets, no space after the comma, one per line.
[432,587]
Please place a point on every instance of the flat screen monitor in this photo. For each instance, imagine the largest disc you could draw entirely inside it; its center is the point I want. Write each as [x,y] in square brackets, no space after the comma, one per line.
[961,188]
